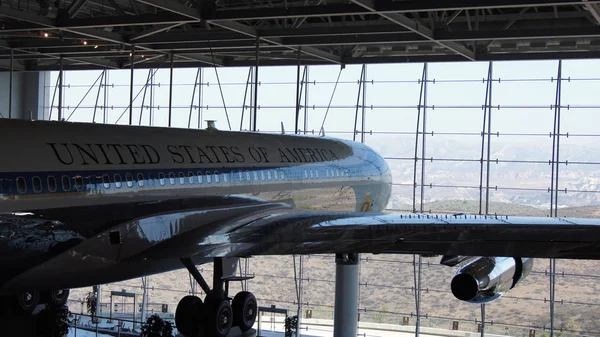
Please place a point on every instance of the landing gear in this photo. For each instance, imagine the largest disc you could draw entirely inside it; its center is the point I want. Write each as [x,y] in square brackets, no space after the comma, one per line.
[217,314]
[56,296]
[245,310]
[25,302]
[188,311]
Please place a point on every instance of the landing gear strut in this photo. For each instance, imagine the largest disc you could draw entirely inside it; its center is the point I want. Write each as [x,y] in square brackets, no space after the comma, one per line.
[217,314]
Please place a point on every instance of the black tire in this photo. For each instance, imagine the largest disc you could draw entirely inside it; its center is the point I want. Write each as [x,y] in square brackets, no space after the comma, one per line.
[59,296]
[26,302]
[219,317]
[188,315]
[245,310]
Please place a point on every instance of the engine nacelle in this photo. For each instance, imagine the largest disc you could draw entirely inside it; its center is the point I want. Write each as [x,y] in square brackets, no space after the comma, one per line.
[487,278]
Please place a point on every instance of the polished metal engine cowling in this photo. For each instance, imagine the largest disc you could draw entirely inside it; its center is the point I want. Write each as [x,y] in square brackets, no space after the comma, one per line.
[487,278]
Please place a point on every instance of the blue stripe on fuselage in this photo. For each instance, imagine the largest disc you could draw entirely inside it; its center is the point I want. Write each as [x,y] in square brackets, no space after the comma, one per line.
[92,180]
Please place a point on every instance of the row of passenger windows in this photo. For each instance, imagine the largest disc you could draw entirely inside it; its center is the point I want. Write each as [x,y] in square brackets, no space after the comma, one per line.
[67,184]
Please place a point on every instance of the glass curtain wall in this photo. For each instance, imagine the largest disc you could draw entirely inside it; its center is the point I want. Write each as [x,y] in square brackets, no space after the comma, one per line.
[515,138]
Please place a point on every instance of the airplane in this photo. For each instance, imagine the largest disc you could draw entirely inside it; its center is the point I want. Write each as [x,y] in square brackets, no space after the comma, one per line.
[83,204]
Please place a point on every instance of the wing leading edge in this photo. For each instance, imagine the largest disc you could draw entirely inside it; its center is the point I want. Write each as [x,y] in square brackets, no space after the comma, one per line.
[466,235]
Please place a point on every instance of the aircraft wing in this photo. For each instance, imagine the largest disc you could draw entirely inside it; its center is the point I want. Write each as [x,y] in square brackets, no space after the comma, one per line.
[282,231]
[153,237]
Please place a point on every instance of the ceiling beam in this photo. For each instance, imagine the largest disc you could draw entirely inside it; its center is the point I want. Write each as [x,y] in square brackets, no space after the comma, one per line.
[149,32]
[235,26]
[250,31]
[124,21]
[384,7]
[518,34]
[174,7]
[594,9]
[415,27]
[75,7]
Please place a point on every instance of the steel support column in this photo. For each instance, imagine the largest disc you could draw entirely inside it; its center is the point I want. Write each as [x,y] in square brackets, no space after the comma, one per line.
[345,319]
[105,112]
[423,140]
[10,83]
[421,124]
[144,300]
[256,84]
[554,184]
[486,131]
[98,95]
[306,69]
[192,100]
[60,89]
[417,275]
[361,83]
[131,85]
[248,85]
[296,120]
[364,107]
[171,89]
[200,97]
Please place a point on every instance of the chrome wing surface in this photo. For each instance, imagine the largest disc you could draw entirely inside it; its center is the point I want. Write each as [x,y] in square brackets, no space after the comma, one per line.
[153,237]
[282,231]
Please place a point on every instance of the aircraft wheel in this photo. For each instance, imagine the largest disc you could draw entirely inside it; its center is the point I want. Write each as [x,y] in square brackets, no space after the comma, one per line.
[219,316]
[26,302]
[59,296]
[245,310]
[188,315]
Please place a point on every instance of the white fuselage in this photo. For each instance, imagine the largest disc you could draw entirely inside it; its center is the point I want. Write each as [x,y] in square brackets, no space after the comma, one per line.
[59,164]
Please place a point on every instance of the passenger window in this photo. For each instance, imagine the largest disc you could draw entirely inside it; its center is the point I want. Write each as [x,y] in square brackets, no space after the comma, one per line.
[247,175]
[150,179]
[305,174]
[37,184]
[129,180]
[217,177]
[79,183]
[117,180]
[311,174]
[199,177]
[21,185]
[140,178]
[171,178]
[181,178]
[268,175]
[208,177]
[191,177]
[255,175]
[52,184]
[262,175]
[240,176]
[161,179]
[281,175]
[66,183]
[106,181]
[316,173]
[274,174]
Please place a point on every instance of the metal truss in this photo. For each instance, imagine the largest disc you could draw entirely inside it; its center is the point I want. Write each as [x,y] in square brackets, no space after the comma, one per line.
[150,34]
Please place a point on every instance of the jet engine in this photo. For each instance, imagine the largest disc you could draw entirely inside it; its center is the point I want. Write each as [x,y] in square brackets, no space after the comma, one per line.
[487,278]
